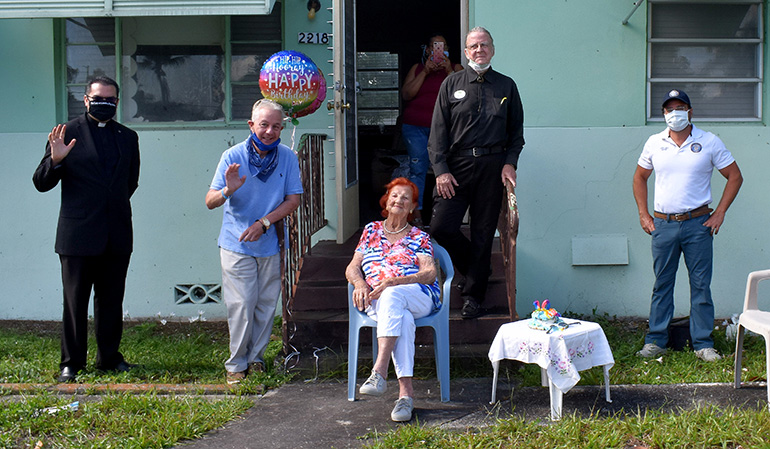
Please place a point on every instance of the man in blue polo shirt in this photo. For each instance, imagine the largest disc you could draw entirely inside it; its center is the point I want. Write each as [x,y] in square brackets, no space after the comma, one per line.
[258,182]
[683,158]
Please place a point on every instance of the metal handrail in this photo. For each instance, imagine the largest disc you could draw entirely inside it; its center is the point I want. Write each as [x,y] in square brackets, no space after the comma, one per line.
[301,225]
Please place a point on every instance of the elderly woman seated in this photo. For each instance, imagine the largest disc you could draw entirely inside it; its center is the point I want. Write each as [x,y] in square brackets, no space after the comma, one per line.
[394,277]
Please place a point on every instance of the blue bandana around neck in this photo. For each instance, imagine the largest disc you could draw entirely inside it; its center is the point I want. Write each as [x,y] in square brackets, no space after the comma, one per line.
[264,166]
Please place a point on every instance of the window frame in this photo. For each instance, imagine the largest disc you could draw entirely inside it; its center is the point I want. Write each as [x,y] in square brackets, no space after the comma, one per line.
[62,86]
[653,108]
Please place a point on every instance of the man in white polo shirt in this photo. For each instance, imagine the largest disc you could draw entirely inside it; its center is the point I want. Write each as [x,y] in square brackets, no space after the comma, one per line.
[683,158]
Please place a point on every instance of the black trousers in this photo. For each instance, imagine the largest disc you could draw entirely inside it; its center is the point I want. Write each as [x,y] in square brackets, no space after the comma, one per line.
[106,275]
[481,189]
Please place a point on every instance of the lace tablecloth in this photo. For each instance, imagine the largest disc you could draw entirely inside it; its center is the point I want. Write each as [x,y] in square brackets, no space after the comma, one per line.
[562,354]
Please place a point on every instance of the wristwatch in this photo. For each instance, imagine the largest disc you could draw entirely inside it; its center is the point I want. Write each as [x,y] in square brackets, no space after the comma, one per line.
[265,224]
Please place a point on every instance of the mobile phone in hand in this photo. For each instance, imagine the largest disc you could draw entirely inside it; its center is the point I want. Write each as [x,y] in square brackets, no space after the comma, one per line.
[438,52]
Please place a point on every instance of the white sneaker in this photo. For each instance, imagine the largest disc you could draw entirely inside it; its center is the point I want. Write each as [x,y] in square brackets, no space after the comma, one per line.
[708,354]
[402,412]
[651,350]
[375,385]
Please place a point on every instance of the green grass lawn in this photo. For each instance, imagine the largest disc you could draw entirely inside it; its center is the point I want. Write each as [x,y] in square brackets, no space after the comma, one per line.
[113,420]
[194,353]
[707,427]
[177,353]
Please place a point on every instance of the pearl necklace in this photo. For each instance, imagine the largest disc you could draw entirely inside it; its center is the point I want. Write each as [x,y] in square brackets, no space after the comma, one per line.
[387,231]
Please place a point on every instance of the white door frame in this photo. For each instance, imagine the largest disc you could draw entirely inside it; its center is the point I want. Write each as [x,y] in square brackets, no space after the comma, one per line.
[344,106]
[345,127]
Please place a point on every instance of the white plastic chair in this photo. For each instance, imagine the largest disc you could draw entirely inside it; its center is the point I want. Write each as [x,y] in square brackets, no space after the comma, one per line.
[754,320]
[439,321]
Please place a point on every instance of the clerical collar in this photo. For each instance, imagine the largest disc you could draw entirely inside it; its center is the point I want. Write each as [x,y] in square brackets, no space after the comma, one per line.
[93,121]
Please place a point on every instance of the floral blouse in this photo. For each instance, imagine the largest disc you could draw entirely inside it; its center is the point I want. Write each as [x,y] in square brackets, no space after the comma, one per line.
[383,259]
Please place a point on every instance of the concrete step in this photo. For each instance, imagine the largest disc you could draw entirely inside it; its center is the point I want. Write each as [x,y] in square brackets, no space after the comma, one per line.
[319,329]
[322,285]
[334,293]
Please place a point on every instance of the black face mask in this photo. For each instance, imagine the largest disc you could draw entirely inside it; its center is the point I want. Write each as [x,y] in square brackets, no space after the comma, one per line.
[101,110]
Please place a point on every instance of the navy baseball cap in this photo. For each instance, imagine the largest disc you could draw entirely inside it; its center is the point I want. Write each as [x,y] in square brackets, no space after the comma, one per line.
[675,94]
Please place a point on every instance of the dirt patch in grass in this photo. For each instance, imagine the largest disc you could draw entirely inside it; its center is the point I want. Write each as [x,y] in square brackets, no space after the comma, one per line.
[45,328]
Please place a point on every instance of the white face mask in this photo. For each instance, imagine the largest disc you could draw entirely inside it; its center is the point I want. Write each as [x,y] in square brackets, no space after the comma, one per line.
[477,67]
[677,120]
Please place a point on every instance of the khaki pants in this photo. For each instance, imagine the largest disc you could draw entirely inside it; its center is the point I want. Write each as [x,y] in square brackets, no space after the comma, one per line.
[251,287]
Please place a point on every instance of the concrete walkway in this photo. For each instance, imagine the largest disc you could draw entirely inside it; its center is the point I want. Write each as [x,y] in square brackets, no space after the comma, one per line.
[318,415]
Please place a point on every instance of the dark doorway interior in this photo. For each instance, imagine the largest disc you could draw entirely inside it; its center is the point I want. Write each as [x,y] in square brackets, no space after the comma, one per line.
[399,27]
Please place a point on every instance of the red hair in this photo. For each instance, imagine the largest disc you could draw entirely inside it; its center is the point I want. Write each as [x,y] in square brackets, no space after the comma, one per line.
[399,182]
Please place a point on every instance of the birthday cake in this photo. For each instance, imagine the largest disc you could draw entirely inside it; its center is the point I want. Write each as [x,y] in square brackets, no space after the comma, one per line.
[545,318]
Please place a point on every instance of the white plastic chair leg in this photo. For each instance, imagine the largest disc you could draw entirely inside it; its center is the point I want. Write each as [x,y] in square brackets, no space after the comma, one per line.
[738,355]
[767,361]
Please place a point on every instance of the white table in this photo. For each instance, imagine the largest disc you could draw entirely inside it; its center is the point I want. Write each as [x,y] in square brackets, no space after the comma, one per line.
[560,355]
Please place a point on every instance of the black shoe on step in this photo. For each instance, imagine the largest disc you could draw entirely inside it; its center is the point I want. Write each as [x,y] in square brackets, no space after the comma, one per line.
[471,309]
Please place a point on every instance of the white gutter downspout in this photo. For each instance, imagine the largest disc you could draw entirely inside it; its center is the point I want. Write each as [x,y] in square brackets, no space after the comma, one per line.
[637,3]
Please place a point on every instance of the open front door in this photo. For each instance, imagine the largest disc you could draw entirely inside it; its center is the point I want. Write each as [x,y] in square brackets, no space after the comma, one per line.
[345,127]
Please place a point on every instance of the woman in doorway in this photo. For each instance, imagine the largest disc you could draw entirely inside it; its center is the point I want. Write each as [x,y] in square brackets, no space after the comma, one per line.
[395,283]
[419,93]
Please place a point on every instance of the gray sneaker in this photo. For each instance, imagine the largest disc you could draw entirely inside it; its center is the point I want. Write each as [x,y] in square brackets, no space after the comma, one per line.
[708,354]
[375,385]
[402,412]
[651,350]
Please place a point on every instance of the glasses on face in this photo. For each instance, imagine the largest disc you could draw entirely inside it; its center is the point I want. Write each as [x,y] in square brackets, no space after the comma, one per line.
[676,108]
[98,99]
[480,45]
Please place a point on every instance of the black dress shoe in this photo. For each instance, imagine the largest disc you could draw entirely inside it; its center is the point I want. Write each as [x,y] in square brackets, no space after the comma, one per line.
[67,375]
[124,367]
[471,309]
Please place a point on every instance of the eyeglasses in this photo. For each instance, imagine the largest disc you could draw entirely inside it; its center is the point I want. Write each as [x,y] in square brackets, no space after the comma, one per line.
[676,108]
[98,99]
[480,45]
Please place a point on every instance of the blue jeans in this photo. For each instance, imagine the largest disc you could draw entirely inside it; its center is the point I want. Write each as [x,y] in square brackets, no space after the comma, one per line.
[416,141]
[669,240]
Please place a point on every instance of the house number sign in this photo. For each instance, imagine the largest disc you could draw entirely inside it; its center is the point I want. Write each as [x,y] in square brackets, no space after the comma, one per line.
[313,38]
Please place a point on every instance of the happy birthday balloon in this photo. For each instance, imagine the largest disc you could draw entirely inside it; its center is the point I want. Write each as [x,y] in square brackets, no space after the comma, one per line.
[292,80]
[318,100]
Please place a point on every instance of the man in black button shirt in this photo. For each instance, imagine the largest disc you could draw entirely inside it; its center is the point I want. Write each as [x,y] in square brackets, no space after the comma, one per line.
[97,161]
[476,136]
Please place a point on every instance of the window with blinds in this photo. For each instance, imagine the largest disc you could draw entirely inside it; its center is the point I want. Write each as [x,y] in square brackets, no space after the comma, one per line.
[711,50]
[172,69]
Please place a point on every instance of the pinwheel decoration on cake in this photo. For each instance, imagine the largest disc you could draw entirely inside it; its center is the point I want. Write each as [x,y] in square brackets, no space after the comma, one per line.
[546,318]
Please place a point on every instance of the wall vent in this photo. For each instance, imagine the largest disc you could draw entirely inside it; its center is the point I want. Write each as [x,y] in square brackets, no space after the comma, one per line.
[197,293]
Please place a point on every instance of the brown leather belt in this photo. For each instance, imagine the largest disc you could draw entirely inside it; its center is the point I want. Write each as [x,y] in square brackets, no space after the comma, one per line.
[684,216]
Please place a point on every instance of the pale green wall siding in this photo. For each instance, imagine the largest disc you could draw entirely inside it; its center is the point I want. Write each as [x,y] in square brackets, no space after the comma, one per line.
[175,234]
[581,74]
[578,181]
[573,61]
[320,122]
[26,73]
[582,78]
